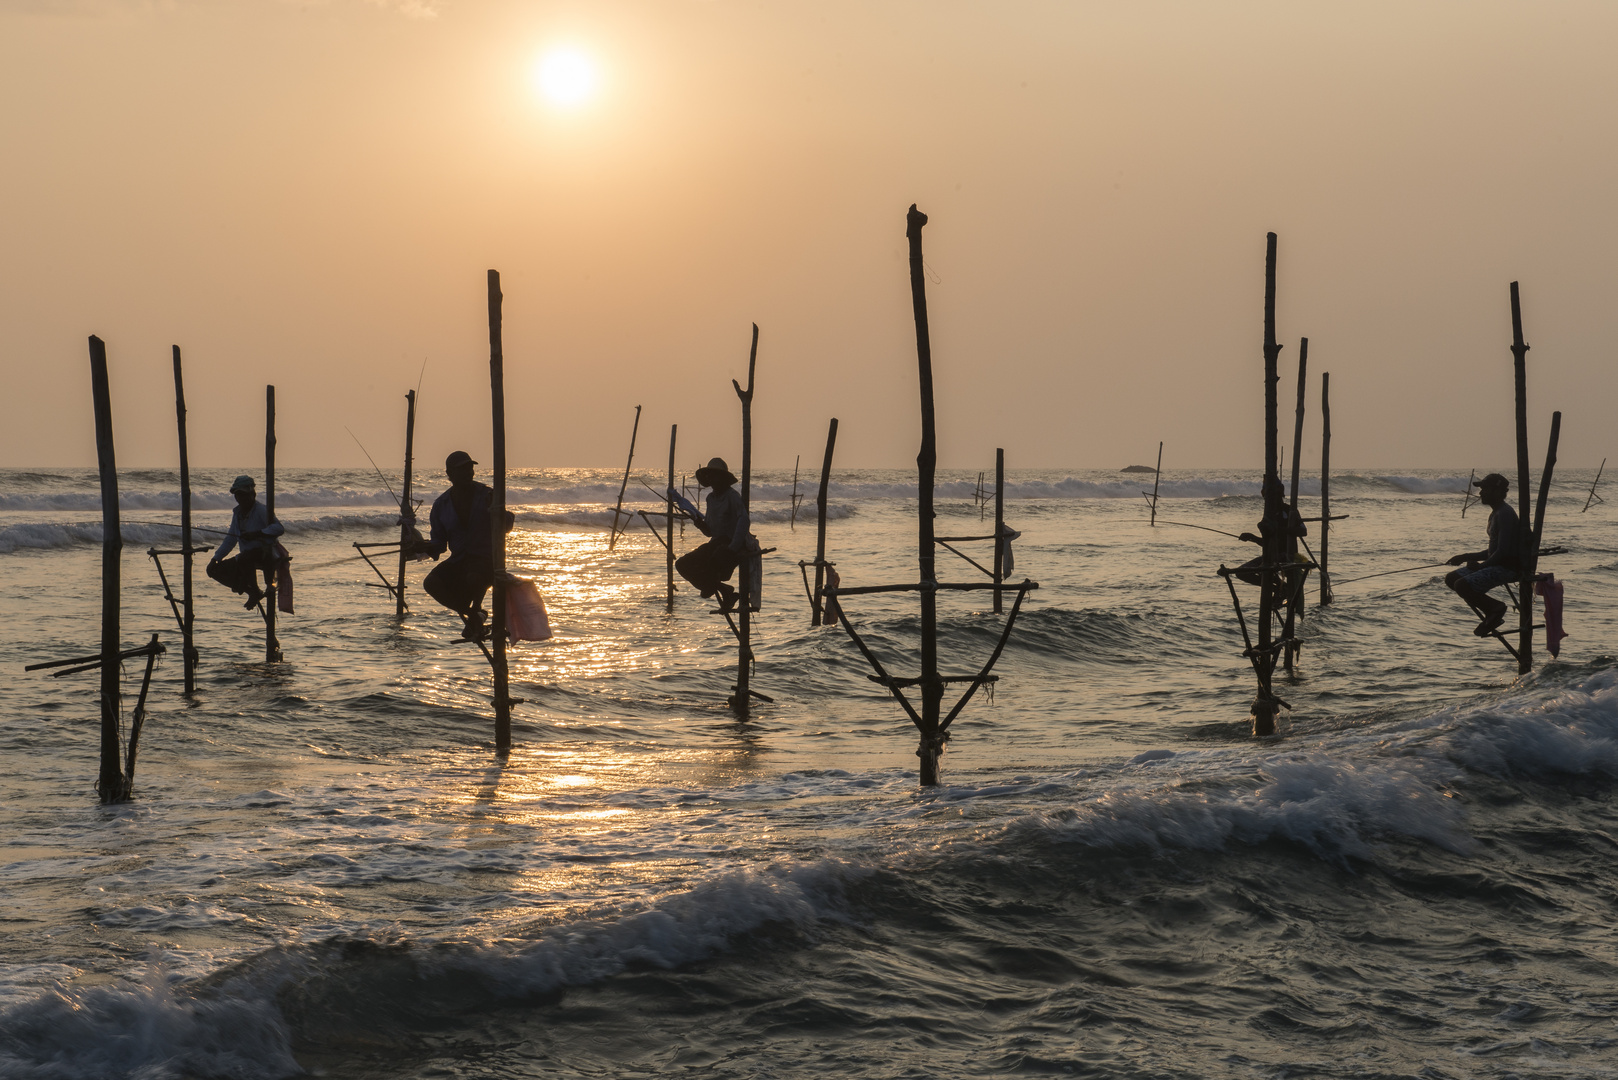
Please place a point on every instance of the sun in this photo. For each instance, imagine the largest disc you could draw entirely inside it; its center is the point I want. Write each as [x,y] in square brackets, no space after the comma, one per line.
[566,77]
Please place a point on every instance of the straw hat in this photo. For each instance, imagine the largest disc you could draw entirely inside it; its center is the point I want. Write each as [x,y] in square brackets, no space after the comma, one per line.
[714,473]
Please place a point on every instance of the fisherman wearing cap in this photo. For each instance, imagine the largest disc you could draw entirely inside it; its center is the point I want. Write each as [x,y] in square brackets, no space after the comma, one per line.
[1494,567]
[725,524]
[460,523]
[254,528]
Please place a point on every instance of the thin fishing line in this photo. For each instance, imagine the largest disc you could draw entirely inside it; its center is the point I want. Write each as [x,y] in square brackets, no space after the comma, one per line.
[1204,528]
[374,465]
[1385,573]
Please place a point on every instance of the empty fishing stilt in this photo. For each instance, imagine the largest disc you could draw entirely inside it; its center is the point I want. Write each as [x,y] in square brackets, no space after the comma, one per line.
[407,507]
[272,644]
[1519,354]
[618,511]
[1294,605]
[668,543]
[1593,496]
[1157,478]
[1325,485]
[932,724]
[111,783]
[187,550]
[820,613]
[1466,501]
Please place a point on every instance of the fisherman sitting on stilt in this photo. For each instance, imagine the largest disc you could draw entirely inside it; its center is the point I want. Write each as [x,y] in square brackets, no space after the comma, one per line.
[254,528]
[1291,526]
[709,567]
[460,523]
[1494,567]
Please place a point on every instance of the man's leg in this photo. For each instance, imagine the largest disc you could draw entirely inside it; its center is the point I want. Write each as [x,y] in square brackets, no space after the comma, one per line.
[1473,586]
[239,575]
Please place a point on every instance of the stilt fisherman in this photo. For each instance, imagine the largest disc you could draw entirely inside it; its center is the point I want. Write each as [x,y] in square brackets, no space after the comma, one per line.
[1497,565]
[460,524]
[728,530]
[255,529]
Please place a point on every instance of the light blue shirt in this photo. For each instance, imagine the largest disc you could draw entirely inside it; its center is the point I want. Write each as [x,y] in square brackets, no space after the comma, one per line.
[255,518]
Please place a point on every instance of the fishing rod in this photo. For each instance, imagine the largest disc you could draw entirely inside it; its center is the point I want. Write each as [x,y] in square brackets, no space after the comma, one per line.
[1385,573]
[1204,528]
[166,525]
[378,469]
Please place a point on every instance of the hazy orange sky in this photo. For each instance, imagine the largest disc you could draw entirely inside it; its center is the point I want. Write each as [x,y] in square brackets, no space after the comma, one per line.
[310,193]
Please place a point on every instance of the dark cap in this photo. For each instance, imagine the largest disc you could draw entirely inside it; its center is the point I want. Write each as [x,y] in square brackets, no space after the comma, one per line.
[1494,479]
[459,457]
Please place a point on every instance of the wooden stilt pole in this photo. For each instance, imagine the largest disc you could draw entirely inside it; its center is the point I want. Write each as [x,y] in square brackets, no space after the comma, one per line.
[497,521]
[110,785]
[407,508]
[674,431]
[999,524]
[820,614]
[272,644]
[188,651]
[1525,599]
[1325,486]
[1274,541]
[1593,483]
[1295,600]
[932,686]
[792,520]
[742,701]
[618,511]
[1157,478]
[1525,620]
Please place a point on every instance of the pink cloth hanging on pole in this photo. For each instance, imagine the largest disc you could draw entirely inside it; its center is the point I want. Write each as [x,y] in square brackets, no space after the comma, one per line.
[1551,589]
[526,618]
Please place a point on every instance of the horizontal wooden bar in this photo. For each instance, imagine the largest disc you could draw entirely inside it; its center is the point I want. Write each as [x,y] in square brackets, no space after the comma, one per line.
[177,551]
[901,682]
[960,539]
[950,586]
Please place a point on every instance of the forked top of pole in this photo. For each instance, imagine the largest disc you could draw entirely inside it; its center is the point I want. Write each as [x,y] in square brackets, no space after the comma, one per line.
[1518,345]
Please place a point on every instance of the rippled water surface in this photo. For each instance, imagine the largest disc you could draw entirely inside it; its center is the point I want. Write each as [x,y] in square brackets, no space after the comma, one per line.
[327,870]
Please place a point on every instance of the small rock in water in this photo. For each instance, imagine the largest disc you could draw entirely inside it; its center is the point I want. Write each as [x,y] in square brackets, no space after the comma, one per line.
[1139,468]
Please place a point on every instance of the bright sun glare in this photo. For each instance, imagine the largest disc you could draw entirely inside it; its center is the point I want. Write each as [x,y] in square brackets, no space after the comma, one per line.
[566,77]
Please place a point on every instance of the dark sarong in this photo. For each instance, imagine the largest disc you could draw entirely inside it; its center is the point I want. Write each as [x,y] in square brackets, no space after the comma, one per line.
[707,566]
[459,583]
[240,574]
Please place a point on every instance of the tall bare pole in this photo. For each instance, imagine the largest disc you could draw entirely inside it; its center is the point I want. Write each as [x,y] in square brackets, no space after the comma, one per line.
[617,512]
[497,522]
[111,782]
[1295,597]
[668,543]
[931,684]
[999,523]
[1264,660]
[189,652]
[744,652]
[1532,557]
[407,509]
[1325,486]
[272,644]
[1525,605]
[820,618]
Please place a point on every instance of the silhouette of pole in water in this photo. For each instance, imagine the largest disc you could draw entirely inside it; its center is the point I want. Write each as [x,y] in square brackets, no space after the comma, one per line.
[1157,478]
[817,601]
[111,782]
[741,700]
[272,644]
[999,524]
[931,724]
[189,651]
[1293,581]
[1325,485]
[1593,497]
[1274,546]
[407,509]
[668,543]
[618,510]
[497,523]
[1525,603]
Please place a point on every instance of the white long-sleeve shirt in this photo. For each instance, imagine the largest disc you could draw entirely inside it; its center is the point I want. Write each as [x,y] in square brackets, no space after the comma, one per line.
[255,518]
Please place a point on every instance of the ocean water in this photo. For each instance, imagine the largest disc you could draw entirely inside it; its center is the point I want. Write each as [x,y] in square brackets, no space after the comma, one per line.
[327,871]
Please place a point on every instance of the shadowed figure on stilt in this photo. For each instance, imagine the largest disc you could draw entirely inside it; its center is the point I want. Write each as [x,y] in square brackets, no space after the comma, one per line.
[460,524]
[1499,564]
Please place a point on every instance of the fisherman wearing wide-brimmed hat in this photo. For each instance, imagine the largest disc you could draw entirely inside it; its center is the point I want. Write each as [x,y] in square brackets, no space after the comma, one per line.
[725,524]
[459,523]
[1495,566]
[254,528]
